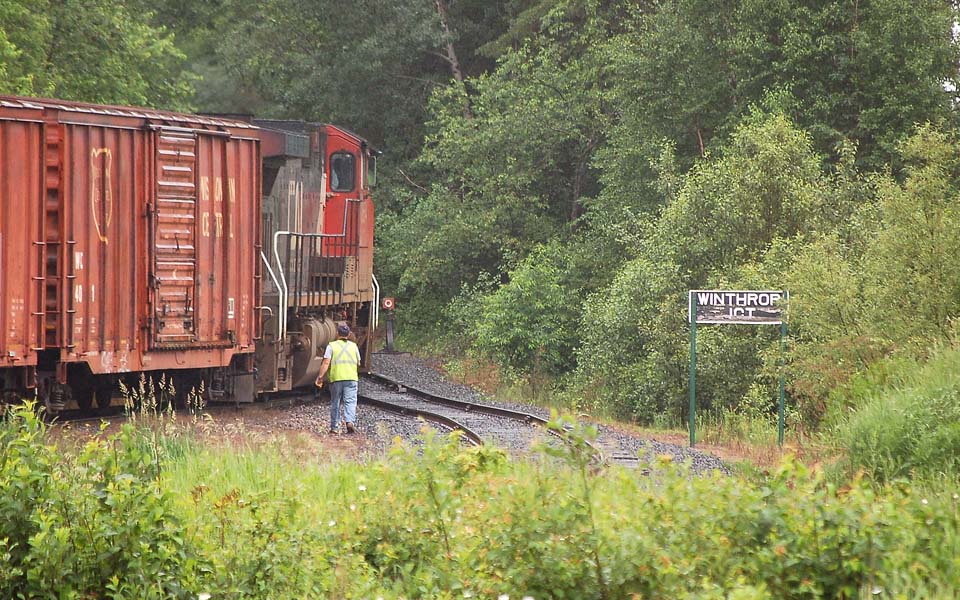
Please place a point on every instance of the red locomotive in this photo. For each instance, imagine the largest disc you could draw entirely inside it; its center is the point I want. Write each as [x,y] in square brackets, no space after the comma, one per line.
[206,248]
[317,248]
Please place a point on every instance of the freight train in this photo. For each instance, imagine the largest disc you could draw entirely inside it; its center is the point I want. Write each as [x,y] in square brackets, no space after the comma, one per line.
[212,249]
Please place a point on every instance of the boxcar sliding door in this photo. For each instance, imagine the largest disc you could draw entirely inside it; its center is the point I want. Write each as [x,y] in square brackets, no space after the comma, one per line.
[174,268]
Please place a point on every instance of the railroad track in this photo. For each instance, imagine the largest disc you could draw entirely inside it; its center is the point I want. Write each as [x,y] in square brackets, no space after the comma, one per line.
[74,415]
[512,430]
[481,423]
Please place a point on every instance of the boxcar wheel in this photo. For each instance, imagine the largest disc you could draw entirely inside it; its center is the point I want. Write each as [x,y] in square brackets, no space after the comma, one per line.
[104,395]
[84,397]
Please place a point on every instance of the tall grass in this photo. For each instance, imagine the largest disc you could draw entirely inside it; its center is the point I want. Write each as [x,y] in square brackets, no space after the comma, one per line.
[443,522]
[439,521]
[910,428]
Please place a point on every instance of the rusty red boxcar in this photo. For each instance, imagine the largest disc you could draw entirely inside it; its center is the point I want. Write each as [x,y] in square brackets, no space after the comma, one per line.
[21,250]
[129,242]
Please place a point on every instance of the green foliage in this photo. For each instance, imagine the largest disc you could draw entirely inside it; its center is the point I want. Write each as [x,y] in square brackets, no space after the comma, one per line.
[507,177]
[911,428]
[729,214]
[90,50]
[23,33]
[441,521]
[912,269]
[843,70]
[97,522]
[367,64]
[255,547]
[868,262]
[530,324]
[883,282]
[26,483]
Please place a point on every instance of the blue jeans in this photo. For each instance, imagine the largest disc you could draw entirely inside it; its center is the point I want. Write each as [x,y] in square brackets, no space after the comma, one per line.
[345,391]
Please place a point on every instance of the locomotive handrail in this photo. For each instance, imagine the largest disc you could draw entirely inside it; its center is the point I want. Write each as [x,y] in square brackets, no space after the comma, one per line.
[282,292]
[376,301]
[284,289]
[273,276]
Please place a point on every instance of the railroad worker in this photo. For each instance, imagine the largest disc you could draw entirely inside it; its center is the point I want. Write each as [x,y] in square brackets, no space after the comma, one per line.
[341,358]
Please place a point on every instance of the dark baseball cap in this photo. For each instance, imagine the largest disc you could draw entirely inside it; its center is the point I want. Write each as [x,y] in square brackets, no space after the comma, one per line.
[343,329]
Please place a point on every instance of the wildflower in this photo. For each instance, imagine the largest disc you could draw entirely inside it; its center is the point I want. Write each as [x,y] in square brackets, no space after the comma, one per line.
[503,597]
[363,488]
[924,502]
[353,507]
[331,523]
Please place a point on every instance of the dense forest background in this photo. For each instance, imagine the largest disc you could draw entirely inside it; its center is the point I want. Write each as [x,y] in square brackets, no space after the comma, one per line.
[558,173]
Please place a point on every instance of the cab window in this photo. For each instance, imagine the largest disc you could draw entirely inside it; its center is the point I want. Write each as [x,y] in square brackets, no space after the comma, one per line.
[371,164]
[343,171]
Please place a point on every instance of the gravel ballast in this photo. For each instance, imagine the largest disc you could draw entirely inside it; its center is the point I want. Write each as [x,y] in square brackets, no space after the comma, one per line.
[419,374]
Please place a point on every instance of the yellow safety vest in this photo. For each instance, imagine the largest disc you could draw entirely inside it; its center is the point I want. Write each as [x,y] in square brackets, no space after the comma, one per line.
[344,359]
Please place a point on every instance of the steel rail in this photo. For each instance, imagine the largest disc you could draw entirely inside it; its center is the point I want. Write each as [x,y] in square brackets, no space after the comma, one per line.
[405,411]
[483,408]
[79,415]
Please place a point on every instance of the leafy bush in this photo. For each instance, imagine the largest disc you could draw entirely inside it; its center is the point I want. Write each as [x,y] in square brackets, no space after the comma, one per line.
[909,429]
[26,483]
[882,285]
[530,324]
[767,189]
[440,521]
[98,522]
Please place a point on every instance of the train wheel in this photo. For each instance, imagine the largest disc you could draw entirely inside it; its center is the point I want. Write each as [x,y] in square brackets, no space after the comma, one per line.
[104,395]
[84,397]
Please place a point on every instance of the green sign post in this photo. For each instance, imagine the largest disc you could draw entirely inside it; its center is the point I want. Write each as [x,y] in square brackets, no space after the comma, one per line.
[745,307]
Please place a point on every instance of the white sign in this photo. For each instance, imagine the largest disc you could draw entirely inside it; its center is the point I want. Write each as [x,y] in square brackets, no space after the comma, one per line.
[751,307]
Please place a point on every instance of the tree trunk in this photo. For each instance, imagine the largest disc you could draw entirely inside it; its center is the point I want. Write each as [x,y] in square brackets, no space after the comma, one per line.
[451,54]
[580,176]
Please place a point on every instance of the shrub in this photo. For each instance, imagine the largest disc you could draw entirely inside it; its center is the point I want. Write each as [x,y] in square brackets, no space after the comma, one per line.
[909,429]
[95,523]
[530,324]
[438,521]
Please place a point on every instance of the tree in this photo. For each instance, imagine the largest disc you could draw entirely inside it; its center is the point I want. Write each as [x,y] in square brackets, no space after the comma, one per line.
[368,64]
[90,50]
[513,174]
[845,70]
[729,211]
